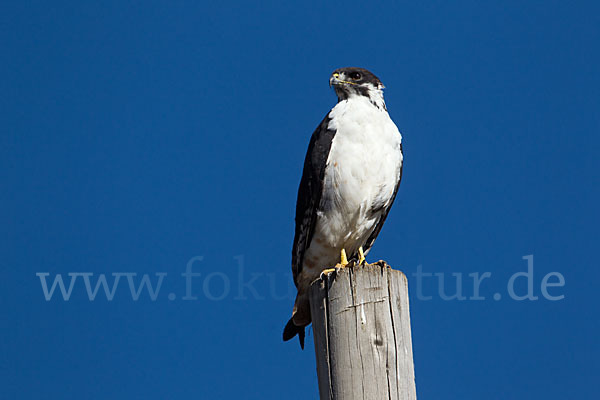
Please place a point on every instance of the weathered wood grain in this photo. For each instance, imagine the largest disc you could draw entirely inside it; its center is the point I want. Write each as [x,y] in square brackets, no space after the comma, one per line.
[362,336]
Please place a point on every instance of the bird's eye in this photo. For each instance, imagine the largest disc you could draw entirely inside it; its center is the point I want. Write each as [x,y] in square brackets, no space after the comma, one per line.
[355,75]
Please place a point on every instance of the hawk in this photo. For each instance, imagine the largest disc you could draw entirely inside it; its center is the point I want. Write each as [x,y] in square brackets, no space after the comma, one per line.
[351,175]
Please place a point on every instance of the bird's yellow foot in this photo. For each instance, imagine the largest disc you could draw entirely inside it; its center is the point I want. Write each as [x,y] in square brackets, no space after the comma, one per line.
[361,255]
[343,262]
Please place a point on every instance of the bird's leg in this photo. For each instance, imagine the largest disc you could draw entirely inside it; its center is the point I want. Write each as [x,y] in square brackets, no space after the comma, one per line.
[343,258]
[342,264]
[361,255]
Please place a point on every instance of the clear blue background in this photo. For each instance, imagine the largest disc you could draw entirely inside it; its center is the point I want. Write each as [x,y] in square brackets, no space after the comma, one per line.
[136,135]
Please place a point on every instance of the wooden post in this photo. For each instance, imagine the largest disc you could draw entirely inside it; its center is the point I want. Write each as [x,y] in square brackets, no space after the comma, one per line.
[362,337]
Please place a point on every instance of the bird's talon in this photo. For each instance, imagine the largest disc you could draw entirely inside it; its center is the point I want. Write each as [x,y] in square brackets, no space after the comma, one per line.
[326,272]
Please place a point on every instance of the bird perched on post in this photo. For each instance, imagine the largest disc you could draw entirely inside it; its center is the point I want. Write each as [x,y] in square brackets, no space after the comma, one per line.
[351,175]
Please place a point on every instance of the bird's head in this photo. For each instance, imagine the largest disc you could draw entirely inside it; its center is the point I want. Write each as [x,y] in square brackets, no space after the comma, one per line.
[352,81]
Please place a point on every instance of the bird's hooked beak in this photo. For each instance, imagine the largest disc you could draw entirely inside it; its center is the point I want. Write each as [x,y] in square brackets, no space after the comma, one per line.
[335,79]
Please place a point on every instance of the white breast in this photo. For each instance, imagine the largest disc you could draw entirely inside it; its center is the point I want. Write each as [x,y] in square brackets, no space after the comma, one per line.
[362,171]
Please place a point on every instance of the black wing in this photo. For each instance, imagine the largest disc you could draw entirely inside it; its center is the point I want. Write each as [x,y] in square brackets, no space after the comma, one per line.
[386,211]
[309,192]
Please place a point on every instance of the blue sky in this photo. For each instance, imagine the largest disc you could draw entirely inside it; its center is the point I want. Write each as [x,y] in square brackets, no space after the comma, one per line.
[139,135]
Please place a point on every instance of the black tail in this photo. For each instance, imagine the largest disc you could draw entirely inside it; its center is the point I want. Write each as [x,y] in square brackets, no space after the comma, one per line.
[292,330]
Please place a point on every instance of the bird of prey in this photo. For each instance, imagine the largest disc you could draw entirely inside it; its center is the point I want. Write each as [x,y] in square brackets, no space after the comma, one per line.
[351,175]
